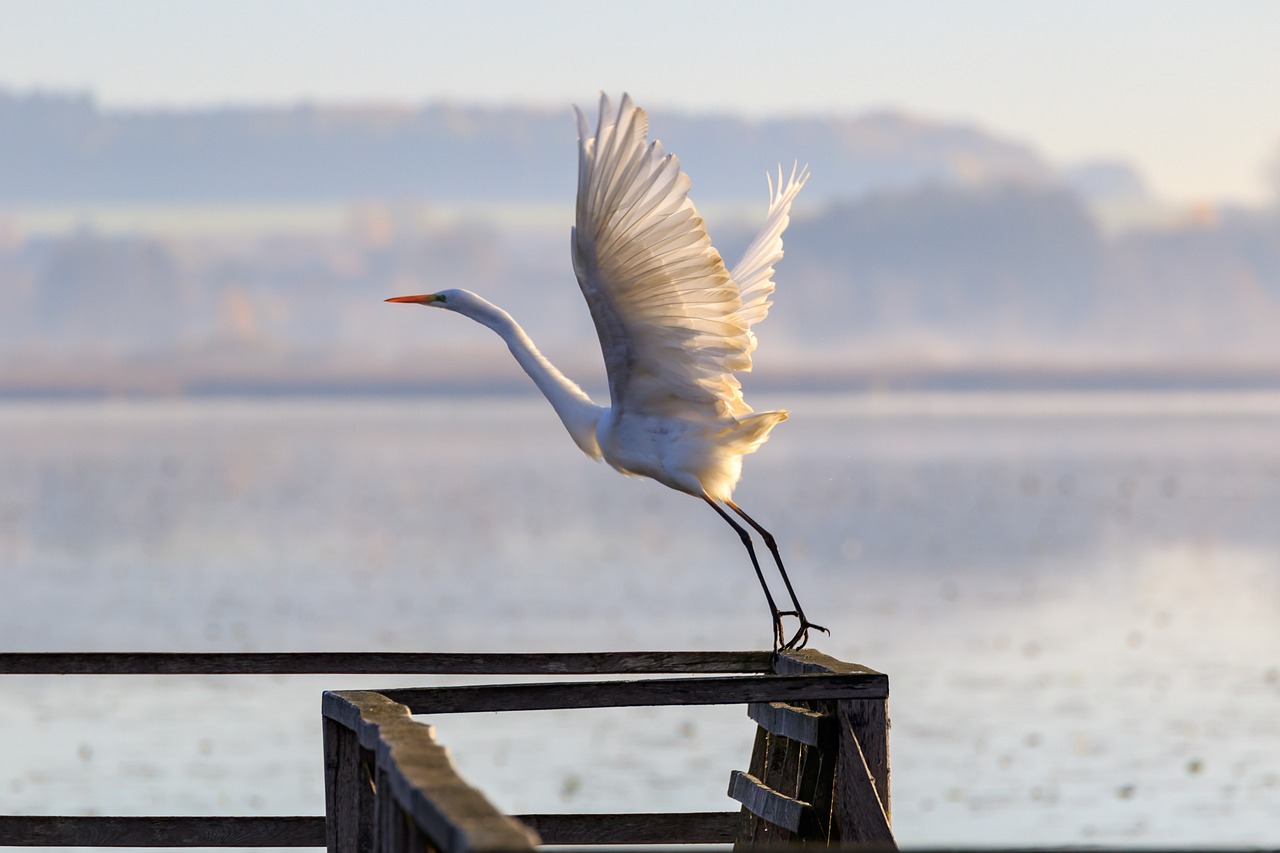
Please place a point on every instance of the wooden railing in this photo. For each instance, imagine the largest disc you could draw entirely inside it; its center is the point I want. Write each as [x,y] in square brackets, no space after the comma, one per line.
[390,786]
[819,770]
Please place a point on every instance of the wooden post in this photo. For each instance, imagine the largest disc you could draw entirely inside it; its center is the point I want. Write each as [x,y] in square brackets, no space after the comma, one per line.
[861,814]
[348,791]
[862,811]
[869,721]
[384,814]
[749,822]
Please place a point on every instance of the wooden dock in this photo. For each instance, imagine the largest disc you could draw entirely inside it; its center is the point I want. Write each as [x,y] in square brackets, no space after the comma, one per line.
[819,771]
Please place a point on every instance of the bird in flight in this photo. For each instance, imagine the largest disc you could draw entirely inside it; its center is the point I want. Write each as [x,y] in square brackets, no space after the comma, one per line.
[674,324]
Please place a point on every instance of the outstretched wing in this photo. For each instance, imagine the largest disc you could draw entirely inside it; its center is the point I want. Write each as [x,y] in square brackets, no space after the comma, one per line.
[673,324]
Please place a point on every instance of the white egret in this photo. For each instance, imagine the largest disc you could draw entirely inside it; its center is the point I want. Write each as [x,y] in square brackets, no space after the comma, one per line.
[674,325]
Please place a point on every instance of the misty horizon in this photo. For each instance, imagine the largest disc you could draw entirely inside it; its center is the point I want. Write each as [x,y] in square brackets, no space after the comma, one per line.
[242,249]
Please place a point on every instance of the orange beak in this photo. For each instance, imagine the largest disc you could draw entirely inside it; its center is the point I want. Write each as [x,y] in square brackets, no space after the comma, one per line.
[423,299]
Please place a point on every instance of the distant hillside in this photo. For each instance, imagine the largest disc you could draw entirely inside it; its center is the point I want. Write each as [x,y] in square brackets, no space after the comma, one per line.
[1005,285]
[919,250]
[60,148]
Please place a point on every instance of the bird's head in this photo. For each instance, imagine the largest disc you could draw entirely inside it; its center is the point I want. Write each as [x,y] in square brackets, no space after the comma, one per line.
[463,302]
[454,300]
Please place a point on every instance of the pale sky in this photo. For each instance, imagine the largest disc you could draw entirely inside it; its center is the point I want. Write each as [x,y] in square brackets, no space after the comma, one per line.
[1186,90]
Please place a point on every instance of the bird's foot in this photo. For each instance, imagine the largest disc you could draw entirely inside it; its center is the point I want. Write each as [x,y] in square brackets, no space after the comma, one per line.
[779,631]
[778,634]
[801,637]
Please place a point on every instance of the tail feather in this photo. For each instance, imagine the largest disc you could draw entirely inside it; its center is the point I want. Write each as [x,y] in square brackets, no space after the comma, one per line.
[750,432]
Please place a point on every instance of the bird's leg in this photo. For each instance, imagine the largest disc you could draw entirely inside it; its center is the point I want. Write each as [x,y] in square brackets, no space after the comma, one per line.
[801,637]
[746,540]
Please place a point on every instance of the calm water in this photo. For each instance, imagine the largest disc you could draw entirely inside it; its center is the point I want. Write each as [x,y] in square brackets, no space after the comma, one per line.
[1077,599]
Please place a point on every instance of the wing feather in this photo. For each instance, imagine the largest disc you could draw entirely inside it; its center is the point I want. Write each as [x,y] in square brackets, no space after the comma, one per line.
[674,325]
[754,273]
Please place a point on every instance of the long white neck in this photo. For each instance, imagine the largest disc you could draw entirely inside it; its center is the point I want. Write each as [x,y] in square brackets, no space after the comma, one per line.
[578,414]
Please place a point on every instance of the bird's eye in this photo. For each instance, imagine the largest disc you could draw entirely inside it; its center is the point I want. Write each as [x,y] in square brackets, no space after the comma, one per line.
[440,297]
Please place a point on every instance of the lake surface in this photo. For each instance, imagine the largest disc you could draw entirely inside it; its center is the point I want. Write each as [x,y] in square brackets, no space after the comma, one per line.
[1076,597]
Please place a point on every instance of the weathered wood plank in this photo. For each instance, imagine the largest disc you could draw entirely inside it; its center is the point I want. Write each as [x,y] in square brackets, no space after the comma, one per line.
[659,828]
[859,813]
[380,663]
[782,772]
[791,721]
[455,817]
[348,790]
[869,721]
[417,779]
[789,775]
[385,813]
[348,708]
[725,690]
[814,662]
[817,779]
[766,803]
[771,775]
[49,831]
[748,823]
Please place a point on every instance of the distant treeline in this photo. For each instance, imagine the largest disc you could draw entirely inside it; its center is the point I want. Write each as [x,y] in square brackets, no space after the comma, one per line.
[916,247]
[952,281]
[61,148]
[1028,270]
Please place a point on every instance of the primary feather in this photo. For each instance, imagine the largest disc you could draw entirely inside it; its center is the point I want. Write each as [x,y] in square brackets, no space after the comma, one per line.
[674,324]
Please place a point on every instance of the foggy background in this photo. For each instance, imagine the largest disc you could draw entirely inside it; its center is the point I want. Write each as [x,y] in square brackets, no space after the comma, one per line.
[250,249]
